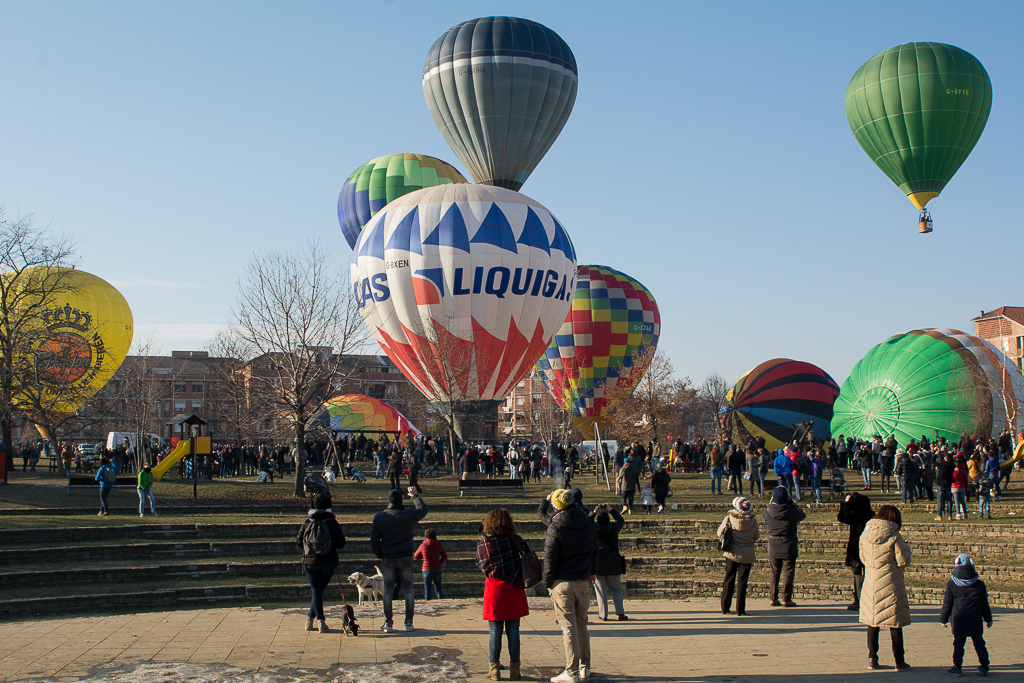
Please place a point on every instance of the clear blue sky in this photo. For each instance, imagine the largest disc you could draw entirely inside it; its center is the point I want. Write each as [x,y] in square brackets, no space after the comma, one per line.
[708,156]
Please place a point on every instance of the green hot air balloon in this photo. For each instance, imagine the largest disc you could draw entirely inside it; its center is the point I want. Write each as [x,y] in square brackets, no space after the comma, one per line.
[917,110]
[928,381]
[500,90]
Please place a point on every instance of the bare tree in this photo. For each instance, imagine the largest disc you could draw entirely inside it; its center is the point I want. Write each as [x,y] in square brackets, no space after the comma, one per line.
[656,403]
[712,394]
[236,406]
[295,318]
[138,392]
[31,285]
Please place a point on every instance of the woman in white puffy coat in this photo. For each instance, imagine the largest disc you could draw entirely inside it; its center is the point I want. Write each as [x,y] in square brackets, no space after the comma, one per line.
[883,600]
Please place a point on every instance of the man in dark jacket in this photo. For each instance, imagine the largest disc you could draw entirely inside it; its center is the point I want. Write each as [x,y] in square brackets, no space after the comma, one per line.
[856,512]
[319,563]
[965,604]
[609,561]
[570,568]
[944,485]
[395,468]
[391,542]
[780,519]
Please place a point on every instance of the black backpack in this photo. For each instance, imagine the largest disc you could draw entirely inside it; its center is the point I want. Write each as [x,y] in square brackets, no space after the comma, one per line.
[316,539]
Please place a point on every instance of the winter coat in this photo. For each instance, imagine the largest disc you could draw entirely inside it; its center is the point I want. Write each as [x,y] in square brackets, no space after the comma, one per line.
[717,459]
[146,480]
[392,531]
[857,513]
[608,558]
[659,482]
[736,461]
[966,606]
[782,466]
[745,533]
[570,548]
[883,597]
[944,474]
[974,468]
[959,479]
[337,539]
[432,553]
[627,480]
[753,464]
[780,521]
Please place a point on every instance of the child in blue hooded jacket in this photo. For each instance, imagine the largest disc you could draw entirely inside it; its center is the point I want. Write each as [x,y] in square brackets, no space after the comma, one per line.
[965,606]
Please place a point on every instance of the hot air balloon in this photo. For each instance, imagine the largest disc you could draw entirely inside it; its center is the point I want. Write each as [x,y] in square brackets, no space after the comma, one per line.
[84,333]
[463,286]
[383,180]
[605,343]
[356,412]
[767,401]
[918,109]
[500,90]
[930,382]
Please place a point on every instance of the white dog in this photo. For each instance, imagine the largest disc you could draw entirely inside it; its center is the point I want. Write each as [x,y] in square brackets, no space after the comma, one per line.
[329,476]
[367,585]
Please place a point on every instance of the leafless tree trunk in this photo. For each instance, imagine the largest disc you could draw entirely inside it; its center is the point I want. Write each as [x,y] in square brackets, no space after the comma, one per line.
[712,394]
[295,317]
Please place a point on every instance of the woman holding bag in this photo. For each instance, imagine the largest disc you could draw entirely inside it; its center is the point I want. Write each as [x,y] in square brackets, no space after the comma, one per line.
[739,555]
[610,564]
[500,556]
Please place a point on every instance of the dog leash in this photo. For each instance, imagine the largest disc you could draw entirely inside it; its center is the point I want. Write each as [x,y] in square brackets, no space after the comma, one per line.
[341,588]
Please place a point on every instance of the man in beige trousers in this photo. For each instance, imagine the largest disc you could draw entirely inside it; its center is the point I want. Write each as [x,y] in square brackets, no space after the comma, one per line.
[570,568]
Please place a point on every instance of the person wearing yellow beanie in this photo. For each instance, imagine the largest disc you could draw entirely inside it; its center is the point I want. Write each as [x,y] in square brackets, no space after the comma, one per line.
[562,498]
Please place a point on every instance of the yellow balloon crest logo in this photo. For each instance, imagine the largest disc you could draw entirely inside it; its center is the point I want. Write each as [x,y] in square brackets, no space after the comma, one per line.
[72,354]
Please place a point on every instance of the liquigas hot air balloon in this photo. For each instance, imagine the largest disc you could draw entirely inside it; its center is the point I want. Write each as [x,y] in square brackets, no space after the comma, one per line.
[768,401]
[383,180]
[81,331]
[463,286]
[930,383]
[604,345]
[500,90]
[918,109]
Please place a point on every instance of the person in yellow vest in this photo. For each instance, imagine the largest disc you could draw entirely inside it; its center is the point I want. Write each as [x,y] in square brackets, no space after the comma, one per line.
[146,491]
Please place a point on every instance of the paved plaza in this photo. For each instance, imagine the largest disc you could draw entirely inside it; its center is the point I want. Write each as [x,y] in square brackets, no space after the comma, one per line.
[664,640]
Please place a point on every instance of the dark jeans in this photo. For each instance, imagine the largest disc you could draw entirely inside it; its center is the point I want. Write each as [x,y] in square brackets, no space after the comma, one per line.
[104,493]
[907,492]
[787,570]
[755,482]
[319,578]
[396,480]
[627,499]
[897,643]
[432,580]
[394,569]
[945,502]
[736,576]
[511,628]
[660,500]
[979,647]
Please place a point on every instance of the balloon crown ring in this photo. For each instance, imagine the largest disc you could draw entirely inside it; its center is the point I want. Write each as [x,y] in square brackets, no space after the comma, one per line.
[67,317]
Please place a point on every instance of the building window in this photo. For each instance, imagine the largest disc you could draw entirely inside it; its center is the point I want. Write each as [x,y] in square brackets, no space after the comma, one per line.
[520,401]
[179,388]
[197,388]
[179,406]
[197,407]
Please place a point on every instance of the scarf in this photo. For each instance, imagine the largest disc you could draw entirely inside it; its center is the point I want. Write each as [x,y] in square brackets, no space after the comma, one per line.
[963,570]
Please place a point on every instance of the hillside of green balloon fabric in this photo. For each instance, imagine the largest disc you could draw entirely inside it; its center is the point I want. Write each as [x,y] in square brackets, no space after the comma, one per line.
[930,383]
[917,110]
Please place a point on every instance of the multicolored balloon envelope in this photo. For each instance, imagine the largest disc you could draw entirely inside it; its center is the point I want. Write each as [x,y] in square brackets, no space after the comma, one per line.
[777,394]
[917,110]
[464,286]
[930,382]
[605,343]
[500,90]
[84,332]
[356,412]
[384,179]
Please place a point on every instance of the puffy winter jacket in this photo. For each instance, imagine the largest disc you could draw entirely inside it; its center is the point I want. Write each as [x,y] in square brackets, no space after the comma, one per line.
[857,513]
[627,480]
[570,549]
[745,533]
[432,553]
[392,531]
[944,474]
[883,598]
[608,562]
[959,479]
[966,606]
[337,539]
[780,521]
[783,466]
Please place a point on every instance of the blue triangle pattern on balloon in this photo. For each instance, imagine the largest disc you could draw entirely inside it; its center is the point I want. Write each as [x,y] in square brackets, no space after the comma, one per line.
[562,241]
[534,234]
[372,242]
[450,231]
[495,229]
[406,236]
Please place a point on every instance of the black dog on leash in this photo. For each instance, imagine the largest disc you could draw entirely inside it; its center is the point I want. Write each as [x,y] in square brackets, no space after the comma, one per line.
[348,622]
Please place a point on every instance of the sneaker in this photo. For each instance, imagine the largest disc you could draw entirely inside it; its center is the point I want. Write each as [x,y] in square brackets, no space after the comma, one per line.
[983,671]
[142,515]
[386,628]
[938,519]
[902,666]
[410,628]
[955,671]
[566,677]
[584,672]
[623,617]
[873,662]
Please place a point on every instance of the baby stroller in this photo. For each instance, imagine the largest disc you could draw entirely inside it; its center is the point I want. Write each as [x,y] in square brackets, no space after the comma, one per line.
[838,485]
[315,484]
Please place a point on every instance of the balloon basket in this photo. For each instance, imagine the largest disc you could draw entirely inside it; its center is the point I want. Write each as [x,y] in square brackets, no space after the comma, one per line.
[924,222]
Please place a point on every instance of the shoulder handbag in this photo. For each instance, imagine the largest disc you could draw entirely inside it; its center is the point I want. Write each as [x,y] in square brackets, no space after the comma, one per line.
[726,541]
[532,570]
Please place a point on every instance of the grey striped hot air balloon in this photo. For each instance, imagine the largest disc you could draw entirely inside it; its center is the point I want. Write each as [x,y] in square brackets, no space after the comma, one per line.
[500,90]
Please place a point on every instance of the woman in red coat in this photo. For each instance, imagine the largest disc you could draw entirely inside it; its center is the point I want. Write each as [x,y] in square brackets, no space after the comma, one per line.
[499,555]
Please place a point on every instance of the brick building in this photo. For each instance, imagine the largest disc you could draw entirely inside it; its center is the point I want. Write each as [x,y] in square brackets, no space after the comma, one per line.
[1004,328]
[530,411]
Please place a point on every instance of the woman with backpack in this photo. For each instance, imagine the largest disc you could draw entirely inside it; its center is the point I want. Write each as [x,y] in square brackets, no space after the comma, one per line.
[499,555]
[320,538]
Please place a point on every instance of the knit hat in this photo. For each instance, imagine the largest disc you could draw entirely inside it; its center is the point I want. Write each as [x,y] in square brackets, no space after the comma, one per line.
[395,500]
[741,504]
[963,558]
[964,573]
[577,496]
[562,498]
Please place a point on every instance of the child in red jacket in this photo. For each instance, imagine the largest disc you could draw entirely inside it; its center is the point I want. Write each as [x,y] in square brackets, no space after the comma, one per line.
[433,555]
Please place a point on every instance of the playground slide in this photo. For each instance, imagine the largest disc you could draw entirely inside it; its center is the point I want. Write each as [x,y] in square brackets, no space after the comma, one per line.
[180,451]
[1018,454]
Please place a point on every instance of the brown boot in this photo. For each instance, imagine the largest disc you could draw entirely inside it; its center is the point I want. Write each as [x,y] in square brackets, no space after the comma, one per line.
[494,671]
[513,672]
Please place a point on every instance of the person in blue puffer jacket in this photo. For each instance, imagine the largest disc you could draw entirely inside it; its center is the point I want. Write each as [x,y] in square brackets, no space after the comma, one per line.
[992,472]
[783,467]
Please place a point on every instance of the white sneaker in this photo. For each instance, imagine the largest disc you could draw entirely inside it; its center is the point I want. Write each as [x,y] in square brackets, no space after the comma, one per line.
[565,677]
[584,672]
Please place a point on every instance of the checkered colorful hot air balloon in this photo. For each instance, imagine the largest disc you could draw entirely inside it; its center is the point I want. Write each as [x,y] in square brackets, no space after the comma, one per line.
[463,286]
[767,401]
[356,412]
[605,343]
[384,179]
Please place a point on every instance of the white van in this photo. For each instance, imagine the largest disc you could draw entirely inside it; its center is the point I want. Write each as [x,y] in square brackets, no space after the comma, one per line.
[115,439]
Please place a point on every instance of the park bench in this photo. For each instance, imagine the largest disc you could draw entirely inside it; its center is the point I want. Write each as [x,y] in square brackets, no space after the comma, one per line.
[132,482]
[491,485]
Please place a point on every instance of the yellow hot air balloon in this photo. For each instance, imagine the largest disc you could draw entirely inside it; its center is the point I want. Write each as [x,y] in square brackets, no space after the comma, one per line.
[80,334]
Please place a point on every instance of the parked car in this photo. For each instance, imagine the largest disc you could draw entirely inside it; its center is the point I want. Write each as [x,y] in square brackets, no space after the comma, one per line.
[87,449]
